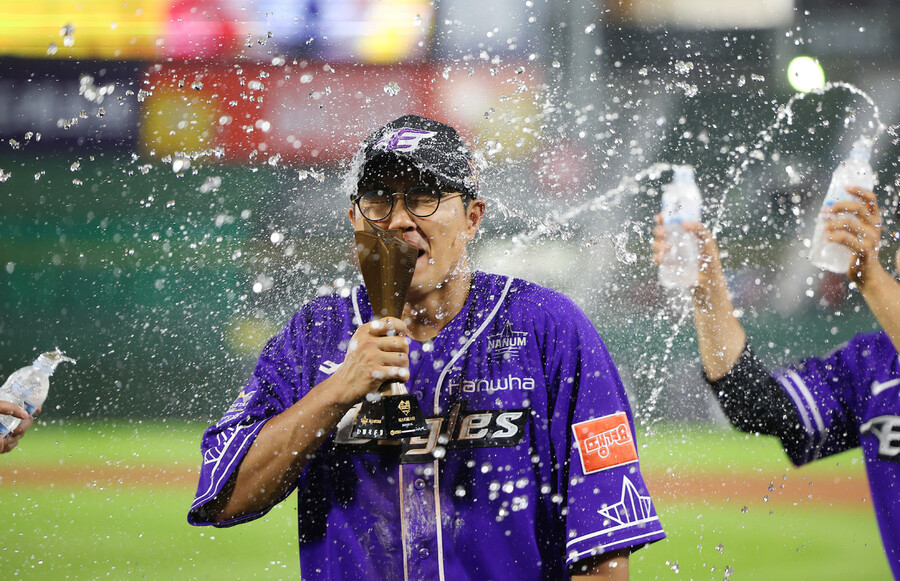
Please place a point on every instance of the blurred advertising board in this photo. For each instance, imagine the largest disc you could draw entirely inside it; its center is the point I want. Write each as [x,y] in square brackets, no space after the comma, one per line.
[318,113]
[51,103]
[368,31]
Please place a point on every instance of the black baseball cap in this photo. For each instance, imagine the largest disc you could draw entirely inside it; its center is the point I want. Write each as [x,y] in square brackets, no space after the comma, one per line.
[430,146]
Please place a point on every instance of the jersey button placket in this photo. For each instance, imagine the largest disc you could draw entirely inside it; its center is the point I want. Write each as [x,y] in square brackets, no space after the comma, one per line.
[422,534]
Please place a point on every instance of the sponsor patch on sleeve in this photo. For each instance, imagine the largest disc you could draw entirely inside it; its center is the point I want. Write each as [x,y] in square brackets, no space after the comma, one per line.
[605,442]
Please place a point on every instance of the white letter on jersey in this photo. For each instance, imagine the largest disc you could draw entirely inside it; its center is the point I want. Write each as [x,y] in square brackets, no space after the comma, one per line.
[504,421]
[887,430]
[474,427]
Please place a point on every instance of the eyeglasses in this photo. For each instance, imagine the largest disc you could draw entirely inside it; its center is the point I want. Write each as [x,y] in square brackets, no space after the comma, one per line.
[421,201]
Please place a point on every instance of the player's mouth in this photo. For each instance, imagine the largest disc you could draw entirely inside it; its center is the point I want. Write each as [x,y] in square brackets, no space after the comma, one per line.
[422,259]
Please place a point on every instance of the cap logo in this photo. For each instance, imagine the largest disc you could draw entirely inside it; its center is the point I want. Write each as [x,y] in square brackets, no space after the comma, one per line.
[405,138]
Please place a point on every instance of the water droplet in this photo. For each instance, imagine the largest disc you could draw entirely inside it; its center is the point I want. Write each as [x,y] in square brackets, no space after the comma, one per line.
[392,89]
[4,175]
[179,164]
[683,68]
[52,49]
[211,184]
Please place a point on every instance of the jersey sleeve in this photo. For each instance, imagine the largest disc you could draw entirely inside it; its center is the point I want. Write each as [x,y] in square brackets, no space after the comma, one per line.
[607,504]
[272,388]
[755,402]
[823,394]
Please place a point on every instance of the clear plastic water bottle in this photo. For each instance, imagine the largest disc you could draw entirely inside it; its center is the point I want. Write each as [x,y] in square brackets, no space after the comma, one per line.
[681,202]
[853,171]
[28,387]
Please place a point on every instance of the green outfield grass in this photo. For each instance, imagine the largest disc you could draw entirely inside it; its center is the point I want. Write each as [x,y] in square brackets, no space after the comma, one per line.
[60,530]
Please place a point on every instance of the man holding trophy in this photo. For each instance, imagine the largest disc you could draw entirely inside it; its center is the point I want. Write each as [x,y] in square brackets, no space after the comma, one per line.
[439,422]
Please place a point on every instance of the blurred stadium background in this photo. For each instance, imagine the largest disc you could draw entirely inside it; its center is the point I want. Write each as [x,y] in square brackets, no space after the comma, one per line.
[171,171]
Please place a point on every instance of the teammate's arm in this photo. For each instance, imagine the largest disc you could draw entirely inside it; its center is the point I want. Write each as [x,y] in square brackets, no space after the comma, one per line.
[857,225]
[746,392]
[378,352]
[611,566]
[720,336]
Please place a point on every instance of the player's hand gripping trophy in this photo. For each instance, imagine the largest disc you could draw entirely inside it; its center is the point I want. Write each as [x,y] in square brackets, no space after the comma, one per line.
[387,263]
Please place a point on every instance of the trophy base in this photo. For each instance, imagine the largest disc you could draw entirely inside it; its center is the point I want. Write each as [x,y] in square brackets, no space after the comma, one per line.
[390,418]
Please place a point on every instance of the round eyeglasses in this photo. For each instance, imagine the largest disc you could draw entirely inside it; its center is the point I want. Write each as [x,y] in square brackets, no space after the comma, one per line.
[421,201]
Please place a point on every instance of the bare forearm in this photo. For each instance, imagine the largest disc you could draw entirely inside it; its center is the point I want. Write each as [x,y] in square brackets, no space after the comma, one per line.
[882,293]
[609,567]
[720,336]
[280,452]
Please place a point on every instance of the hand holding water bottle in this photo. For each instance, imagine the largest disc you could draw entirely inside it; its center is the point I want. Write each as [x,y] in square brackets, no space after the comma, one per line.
[25,390]
[855,224]
[720,336]
[853,172]
[710,276]
[681,203]
[12,440]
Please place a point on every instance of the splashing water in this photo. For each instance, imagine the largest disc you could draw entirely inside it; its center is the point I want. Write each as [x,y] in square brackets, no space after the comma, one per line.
[785,118]
[677,310]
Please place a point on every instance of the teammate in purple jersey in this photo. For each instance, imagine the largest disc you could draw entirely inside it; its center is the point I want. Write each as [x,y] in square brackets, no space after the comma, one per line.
[530,469]
[820,406]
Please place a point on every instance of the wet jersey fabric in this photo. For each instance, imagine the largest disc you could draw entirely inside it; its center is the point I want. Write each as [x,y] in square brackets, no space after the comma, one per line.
[530,464]
[847,399]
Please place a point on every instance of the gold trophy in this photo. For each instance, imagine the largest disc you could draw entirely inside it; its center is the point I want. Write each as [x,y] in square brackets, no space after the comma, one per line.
[387,263]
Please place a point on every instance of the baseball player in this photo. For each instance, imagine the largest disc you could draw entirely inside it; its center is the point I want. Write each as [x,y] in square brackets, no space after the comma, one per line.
[820,406]
[529,469]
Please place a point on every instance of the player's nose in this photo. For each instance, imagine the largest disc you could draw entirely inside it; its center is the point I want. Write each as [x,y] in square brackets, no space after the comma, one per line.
[401,218]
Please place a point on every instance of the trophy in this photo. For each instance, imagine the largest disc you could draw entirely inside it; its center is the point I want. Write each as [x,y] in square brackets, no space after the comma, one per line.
[387,263]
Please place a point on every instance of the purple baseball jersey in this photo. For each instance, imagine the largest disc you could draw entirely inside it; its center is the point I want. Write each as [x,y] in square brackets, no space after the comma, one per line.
[851,398]
[530,464]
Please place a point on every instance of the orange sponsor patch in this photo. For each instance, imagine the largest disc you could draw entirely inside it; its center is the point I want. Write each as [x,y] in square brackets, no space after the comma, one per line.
[605,442]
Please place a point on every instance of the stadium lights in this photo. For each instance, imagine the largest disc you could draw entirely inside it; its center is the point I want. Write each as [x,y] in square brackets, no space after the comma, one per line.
[805,74]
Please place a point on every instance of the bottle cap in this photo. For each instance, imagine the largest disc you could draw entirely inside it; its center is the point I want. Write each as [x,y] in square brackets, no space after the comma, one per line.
[49,360]
[683,173]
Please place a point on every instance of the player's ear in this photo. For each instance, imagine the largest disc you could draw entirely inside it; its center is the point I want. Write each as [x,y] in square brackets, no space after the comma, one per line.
[474,214]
